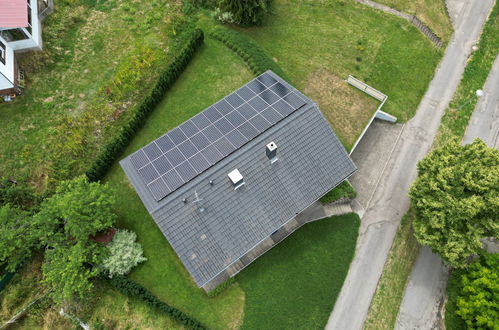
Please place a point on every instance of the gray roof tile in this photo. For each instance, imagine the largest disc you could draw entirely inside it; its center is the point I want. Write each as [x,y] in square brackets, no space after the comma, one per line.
[311,162]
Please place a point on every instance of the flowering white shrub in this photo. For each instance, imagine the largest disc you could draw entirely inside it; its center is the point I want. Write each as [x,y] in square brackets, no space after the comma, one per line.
[124,253]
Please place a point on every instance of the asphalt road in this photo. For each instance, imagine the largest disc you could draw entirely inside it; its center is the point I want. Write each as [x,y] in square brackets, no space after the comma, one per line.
[389,202]
[424,294]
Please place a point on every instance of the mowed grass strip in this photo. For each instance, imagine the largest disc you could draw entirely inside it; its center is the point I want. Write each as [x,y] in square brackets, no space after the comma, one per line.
[390,291]
[213,73]
[431,12]
[296,283]
[345,37]
[457,116]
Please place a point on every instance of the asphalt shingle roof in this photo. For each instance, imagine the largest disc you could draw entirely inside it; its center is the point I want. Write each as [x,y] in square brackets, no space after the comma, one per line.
[311,161]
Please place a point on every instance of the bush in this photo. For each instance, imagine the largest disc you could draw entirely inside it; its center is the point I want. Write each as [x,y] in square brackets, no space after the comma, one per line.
[252,54]
[124,253]
[343,190]
[19,194]
[133,289]
[247,12]
[114,149]
[477,301]
[221,288]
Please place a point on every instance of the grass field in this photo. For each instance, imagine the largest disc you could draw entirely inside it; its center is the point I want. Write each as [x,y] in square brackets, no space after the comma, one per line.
[318,44]
[295,285]
[431,12]
[99,58]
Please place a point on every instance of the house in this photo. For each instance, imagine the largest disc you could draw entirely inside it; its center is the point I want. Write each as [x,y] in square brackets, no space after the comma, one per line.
[227,185]
[20,30]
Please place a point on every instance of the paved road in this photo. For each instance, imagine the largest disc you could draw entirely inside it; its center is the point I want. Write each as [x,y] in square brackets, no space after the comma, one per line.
[424,294]
[484,122]
[390,201]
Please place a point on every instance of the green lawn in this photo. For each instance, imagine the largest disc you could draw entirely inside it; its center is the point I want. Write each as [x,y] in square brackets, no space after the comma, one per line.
[213,73]
[295,284]
[99,59]
[319,43]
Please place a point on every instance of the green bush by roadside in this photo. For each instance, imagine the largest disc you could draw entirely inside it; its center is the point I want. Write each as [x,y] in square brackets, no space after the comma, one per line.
[472,295]
[343,190]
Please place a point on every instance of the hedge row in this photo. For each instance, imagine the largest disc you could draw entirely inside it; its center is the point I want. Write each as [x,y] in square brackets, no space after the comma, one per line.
[166,80]
[253,55]
[133,289]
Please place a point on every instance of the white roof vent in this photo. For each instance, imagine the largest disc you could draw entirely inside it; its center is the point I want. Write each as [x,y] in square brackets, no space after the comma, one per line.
[271,151]
[236,178]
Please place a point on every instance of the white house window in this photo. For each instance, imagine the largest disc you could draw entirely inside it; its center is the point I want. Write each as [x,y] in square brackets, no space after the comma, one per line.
[3,52]
[29,28]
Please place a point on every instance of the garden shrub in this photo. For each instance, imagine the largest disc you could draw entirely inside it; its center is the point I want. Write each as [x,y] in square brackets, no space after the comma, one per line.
[252,54]
[221,288]
[343,190]
[124,253]
[19,194]
[111,151]
[247,12]
[133,289]
[477,300]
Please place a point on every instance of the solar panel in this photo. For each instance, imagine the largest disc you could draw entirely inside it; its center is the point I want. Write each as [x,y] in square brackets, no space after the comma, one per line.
[197,144]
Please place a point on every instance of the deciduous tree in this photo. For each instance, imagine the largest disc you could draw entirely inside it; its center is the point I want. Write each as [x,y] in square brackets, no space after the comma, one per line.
[456,197]
[78,210]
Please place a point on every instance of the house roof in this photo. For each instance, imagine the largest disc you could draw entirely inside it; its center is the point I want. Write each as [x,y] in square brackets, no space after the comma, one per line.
[208,222]
[13,13]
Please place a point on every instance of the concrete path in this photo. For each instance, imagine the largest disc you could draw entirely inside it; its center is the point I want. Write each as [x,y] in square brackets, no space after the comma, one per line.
[389,201]
[484,122]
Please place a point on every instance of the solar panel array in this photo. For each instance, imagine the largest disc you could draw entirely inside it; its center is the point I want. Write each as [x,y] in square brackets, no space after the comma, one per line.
[191,148]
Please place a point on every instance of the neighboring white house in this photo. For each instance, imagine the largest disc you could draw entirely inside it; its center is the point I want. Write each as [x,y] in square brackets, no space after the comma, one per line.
[20,30]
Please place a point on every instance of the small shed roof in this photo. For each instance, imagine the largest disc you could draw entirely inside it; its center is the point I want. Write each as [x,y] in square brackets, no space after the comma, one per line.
[209,223]
[13,13]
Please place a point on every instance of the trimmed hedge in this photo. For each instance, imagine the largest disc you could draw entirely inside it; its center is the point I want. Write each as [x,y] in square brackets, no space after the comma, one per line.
[253,55]
[166,80]
[133,289]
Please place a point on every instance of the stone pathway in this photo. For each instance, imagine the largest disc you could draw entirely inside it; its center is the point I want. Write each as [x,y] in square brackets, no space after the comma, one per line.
[410,18]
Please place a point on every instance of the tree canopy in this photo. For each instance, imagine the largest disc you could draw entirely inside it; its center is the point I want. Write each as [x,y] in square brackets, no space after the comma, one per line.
[17,236]
[64,225]
[456,197]
[479,291]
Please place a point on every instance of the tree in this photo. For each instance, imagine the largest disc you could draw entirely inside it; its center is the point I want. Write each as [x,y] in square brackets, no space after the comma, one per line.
[477,301]
[247,12]
[17,237]
[456,197]
[79,209]
[124,253]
